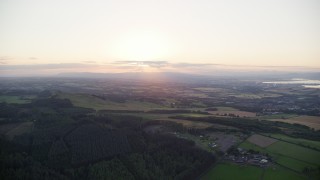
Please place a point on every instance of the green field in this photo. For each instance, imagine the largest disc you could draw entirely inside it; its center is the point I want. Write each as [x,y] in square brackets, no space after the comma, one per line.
[289,155]
[310,121]
[278,116]
[293,164]
[295,151]
[277,172]
[226,171]
[249,145]
[193,115]
[227,109]
[88,101]
[221,111]
[15,99]
[304,142]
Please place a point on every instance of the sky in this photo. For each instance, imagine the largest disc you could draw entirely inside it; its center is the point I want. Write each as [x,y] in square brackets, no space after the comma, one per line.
[166,35]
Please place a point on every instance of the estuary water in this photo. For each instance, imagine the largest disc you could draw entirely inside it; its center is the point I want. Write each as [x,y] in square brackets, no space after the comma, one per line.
[307,83]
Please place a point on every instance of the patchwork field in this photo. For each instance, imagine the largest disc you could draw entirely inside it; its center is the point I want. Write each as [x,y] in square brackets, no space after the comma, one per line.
[277,116]
[292,163]
[304,142]
[223,108]
[309,156]
[194,124]
[211,89]
[261,141]
[87,101]
[310,121]
[190,93]
[229,110]
[254,95]
[289,155]
[189,124]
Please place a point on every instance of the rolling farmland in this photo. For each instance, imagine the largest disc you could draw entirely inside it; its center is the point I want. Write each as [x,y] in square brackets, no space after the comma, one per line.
[288,155]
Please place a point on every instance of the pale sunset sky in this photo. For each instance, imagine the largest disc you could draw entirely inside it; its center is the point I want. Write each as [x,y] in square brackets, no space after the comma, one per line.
[126,35]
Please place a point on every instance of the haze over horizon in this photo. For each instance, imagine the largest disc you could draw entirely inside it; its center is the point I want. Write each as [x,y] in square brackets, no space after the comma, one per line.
[52,37]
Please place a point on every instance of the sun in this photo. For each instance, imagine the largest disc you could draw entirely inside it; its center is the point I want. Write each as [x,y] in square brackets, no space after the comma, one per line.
[142,46]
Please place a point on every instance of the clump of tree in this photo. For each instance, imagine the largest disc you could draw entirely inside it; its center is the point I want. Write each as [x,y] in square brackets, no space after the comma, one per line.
[90,143]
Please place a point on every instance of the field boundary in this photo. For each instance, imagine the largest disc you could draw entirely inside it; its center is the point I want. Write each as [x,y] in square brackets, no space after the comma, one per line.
[288,168]
[279,139]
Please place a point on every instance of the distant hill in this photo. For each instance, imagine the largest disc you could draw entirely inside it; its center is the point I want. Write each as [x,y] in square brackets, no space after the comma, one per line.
[184,77]
[147,76]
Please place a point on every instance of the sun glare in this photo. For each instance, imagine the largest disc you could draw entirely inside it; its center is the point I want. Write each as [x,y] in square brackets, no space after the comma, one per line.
[142,46]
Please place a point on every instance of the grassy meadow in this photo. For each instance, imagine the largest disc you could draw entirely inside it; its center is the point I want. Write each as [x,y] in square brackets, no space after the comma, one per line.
[226,171]
[304,142]
[289,155]
[87,101]
[15,99]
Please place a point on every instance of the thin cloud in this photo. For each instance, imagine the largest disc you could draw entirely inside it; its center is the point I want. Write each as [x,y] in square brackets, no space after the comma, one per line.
[155,64]
[5,59]
[43,66]
[182,65]
[139,66]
